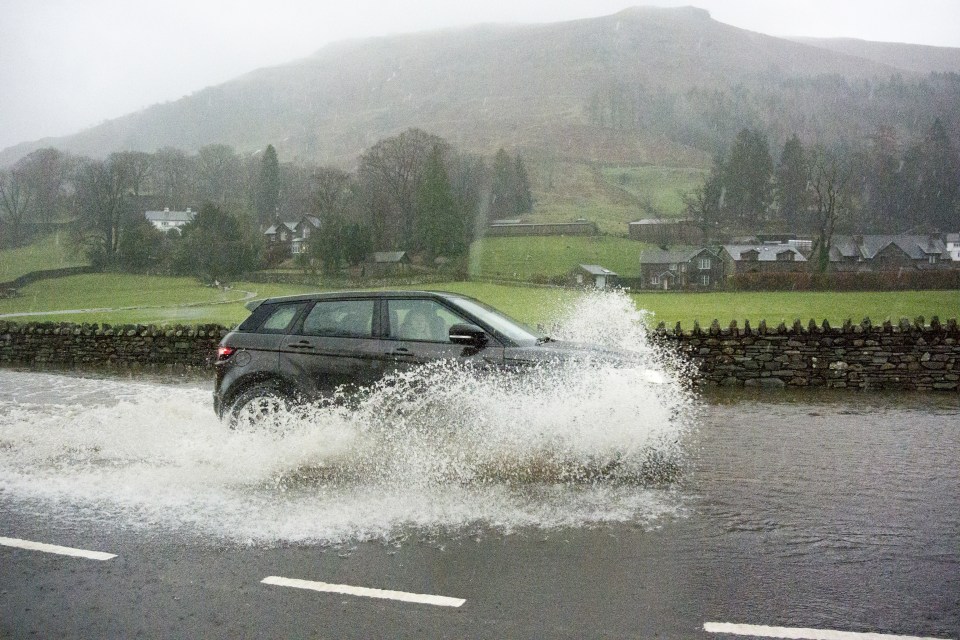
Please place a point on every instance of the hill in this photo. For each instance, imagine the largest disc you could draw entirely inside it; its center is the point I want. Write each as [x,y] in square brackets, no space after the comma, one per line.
[912,58]
[553,89]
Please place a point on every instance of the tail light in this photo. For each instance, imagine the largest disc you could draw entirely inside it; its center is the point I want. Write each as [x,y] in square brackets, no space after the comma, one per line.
[224,353]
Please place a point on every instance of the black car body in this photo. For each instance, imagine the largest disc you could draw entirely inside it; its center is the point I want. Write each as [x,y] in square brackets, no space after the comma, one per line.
[307,346]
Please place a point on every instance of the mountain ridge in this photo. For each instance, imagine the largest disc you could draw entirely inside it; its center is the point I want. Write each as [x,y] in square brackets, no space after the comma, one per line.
[480,87]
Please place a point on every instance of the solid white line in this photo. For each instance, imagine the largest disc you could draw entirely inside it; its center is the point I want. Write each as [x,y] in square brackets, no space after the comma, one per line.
[52,548]
[800,633]
[403,596]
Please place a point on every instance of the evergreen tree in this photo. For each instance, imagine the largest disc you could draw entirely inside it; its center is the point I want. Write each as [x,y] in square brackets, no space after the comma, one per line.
[503,188]
[937,184]
[266,195]
[214,247]
[791,190]
[748,178]
[441,228]
[523,198]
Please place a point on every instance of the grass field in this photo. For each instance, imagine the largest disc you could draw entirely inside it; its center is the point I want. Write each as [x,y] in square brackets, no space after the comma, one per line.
[156,300]
[661,187]
[51,252]
[533,258]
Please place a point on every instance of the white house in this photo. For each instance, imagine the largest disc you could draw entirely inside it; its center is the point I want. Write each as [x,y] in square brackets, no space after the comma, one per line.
[953,246]
[166,220]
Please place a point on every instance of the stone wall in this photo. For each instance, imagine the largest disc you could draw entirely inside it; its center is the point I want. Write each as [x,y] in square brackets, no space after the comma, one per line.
[123,346]
[906,355]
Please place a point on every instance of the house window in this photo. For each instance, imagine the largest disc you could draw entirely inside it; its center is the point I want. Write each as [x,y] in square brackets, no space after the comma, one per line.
[704,264]
[933,259]
[705,279]
[683,267]
[673,266]
[654,279]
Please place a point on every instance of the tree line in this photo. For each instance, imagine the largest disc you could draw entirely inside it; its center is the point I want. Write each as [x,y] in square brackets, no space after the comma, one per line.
[882,185]
[411,192]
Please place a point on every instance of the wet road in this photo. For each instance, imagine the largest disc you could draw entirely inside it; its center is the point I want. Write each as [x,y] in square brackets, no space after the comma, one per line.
[806,511]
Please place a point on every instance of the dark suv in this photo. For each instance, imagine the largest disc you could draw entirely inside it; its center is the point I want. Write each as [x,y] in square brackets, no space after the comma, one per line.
[304,347]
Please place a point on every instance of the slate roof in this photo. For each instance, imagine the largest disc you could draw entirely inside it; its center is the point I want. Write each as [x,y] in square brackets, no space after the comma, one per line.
[390,256]
[272,229]
[918,247]
[597,270]
[170,216]
[671,255]
[765,252]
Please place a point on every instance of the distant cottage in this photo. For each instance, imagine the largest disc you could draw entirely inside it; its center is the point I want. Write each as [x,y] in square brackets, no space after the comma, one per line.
[889,253]
[680,267]
[167,220]
[600,277]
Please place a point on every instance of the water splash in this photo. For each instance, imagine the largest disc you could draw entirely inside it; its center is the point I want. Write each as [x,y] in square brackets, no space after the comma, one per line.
[444,448]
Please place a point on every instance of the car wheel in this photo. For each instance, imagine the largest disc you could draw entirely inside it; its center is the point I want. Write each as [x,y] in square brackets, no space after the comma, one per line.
[263,407]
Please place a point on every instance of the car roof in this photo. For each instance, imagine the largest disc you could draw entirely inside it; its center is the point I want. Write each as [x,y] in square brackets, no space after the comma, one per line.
[341,295]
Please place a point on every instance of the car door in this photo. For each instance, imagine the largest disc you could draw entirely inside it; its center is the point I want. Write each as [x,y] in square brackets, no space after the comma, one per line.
[334,346]
[416,331]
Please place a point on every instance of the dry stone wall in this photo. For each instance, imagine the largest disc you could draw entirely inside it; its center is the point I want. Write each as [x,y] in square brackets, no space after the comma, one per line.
[121,346]
[906,355]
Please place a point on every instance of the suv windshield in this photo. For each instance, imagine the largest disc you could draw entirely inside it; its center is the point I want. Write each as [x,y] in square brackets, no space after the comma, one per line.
[505,325]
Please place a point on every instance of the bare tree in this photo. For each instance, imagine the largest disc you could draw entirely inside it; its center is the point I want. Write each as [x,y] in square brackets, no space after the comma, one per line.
[102,199]
[14,203]
[391,172]
[830,177]
[45,171]
[331,190]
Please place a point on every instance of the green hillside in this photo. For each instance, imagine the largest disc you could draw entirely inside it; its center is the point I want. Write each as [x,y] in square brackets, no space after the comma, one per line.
[50,252]
[543,259]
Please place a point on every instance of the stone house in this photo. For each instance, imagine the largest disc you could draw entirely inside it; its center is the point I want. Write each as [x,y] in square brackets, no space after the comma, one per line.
[291,235]
[889,253]
[762,258]
[681,267]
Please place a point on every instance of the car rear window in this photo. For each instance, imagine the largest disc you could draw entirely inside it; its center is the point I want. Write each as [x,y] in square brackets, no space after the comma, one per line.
[340,318]
[278,318]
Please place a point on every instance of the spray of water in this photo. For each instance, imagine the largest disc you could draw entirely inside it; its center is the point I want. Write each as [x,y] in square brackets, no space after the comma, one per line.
[443,448]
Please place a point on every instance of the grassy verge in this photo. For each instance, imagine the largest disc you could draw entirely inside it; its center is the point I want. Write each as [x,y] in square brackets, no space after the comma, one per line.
[51,252]
[775,307]
[157,300]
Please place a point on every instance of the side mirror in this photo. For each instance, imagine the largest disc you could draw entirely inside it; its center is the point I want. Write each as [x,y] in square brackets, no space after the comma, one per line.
[469,335]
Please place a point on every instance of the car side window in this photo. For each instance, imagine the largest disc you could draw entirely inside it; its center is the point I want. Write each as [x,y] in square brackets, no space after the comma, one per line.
[281,318]
[340,318]
[425,320]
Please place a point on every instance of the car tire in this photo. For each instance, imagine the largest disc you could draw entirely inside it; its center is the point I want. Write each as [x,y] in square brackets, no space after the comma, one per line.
[262,407]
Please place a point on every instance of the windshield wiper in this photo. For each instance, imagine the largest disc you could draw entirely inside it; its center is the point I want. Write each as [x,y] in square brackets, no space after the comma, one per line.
[544,339]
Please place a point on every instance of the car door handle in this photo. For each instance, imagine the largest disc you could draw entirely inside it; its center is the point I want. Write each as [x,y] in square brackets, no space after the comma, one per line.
[303,344]
[402,353]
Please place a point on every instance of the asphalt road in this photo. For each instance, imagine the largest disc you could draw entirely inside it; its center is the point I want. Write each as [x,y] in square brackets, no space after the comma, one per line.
[609,582]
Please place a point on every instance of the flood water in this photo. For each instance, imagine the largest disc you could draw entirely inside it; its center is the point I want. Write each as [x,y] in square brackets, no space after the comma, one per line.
[863,488]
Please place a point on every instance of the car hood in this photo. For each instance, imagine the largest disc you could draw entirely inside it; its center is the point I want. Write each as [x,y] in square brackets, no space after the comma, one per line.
[556,351]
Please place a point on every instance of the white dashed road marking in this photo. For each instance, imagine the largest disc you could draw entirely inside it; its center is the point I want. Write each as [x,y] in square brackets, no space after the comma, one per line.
[403,596]
[758,631]
[52,548]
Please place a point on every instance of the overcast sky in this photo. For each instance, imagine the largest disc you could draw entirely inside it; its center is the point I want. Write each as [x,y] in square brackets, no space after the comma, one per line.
[69,64]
